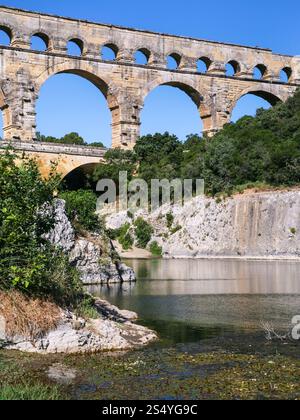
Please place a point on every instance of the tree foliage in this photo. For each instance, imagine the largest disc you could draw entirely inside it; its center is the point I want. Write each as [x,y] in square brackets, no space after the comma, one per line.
[28,262]
[81,208]
[159,156]
[117,160]
[143,232]
[260,150]
[70,138]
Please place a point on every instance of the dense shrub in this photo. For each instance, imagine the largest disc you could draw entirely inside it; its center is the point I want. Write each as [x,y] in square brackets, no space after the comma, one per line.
[155,249]
[264,149]
[27,261]
[170,220]
[81,209]
[124,237]
[117,160]
[159,156]
[143,232]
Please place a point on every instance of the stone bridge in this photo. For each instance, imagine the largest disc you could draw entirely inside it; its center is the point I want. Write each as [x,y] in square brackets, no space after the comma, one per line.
[67,158]
[124,83]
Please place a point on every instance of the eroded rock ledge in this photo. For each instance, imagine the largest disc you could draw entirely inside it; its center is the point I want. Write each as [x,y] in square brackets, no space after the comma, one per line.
[114,330]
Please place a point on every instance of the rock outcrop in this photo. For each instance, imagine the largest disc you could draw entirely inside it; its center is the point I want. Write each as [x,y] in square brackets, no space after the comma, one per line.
[63,234]
[258,225]
[91,255]
[113,330]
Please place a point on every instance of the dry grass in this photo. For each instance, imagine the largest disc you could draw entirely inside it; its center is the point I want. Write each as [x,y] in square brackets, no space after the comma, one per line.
[28,317]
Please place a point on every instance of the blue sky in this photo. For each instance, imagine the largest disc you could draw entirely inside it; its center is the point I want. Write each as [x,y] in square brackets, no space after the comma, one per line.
[68,103]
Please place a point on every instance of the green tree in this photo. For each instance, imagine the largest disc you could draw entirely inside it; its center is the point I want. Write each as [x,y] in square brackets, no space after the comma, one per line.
[96,144]
[192,158]
[73,138]
[143,232]
[28,262]
[117,160]
[159,156]
[81,208]
[261,149]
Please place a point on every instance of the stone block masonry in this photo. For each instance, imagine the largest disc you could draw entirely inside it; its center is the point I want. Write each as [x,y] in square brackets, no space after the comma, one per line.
[123,82]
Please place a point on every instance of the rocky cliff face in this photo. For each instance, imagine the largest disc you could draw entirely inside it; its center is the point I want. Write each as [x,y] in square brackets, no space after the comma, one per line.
[263,224]
[90,255]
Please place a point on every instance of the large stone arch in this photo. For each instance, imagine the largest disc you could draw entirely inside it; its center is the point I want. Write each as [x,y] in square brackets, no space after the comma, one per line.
[269,94]
[88,72]
[189,87]
[82,69]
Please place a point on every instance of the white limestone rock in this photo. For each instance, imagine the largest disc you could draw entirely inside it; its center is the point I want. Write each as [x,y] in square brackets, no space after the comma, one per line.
[112,331]
[250,225]
[63,234]
[86,254]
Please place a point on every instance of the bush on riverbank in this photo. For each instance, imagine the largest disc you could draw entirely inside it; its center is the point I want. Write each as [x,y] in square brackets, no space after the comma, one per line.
[81,210]
[123,235]
[143,232]
[155,249]
[28,262]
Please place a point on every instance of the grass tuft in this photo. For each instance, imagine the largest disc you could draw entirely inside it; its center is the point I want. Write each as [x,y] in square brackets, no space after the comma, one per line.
[29,392]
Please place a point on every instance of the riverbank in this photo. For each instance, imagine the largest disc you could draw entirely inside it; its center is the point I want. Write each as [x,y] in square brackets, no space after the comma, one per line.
[134,252]
[39,326]
[230,258]
[137,254]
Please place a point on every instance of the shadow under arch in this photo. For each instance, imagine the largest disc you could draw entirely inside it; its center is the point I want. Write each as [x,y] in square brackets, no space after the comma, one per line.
[188,89]
[80,177]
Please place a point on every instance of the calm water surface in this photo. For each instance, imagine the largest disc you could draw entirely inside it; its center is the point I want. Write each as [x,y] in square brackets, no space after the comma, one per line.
[207,309]
[188,300]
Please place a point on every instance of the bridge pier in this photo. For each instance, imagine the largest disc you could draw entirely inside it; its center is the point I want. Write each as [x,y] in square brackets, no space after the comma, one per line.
[126,122]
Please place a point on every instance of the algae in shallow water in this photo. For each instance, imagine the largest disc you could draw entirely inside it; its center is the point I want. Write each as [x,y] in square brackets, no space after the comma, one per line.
[159,373]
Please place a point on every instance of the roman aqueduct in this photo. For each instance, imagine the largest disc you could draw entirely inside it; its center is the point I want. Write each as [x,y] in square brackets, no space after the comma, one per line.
[124,83]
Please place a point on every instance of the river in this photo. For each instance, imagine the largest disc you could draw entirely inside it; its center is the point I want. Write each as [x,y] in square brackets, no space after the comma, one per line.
[188,300]
[209,315]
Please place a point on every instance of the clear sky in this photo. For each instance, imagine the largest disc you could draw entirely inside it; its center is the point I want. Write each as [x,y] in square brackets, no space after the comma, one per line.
[68,103]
